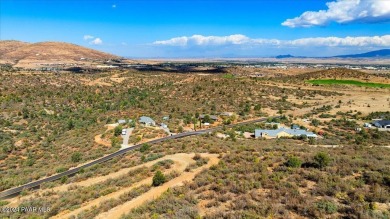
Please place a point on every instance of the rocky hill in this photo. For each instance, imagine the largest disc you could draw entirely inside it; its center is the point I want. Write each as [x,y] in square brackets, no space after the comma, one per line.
[48,51]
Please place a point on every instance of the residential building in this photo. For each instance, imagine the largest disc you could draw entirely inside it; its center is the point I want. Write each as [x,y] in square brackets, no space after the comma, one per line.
[385,124]
[226,114]
[147,121]
[213,117]
[121,121]
[283,132]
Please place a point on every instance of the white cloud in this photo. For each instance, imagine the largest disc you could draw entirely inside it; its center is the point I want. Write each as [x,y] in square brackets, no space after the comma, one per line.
[363,41]
[242,40]
[88,37]
[344,11]
[113,6]
[200,40]
[96,41]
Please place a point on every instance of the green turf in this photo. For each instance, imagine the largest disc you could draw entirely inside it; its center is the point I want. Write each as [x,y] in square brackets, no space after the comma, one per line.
[349,82]
[228,76]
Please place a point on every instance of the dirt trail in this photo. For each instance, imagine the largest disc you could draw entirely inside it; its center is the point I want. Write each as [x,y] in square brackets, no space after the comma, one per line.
[117,79]
[98,138]
[101,81]
[114,195]
[176,157]
[181,162]
[155,192]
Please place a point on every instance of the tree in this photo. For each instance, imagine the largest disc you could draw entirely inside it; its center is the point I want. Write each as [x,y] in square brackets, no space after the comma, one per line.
[294,162]
[25,113]
[118,130]
[114,142]
[232,135]
[144,147]
[227,122]
[247,108]
[194,121]
[207,118]
[315,122]
[64,179]
[158,178]
[70,124]
[322,159]
[180,129]
[132,124]
[76,157]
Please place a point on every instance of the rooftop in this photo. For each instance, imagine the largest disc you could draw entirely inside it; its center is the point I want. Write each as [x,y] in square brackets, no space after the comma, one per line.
[146,119]
[275,132]
[382,122]
[213,117]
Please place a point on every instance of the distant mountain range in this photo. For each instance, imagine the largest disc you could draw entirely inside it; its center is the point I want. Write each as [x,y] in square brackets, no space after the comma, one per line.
[285,56]
[383,53]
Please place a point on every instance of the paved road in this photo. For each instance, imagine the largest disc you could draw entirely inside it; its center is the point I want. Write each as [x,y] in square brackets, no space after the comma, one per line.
[37,183]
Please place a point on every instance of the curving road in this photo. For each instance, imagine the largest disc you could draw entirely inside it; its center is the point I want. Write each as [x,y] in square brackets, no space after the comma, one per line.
[16,190]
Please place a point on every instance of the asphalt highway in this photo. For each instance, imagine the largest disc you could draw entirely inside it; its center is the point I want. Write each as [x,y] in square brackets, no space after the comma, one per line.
[34,184]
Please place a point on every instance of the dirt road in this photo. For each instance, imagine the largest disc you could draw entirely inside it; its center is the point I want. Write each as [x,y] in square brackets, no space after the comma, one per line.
[155,192]
[181,161]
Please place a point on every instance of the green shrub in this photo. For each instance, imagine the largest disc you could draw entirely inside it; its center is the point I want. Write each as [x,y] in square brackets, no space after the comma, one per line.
[2,203]
[118,130]
[294,162]
[61,169]
[158,178]
[64,179]
[322,159]
[144,148]
[76,157]
[328,207]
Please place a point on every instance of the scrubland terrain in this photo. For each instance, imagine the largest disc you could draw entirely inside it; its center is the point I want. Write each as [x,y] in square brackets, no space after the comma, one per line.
[49,123]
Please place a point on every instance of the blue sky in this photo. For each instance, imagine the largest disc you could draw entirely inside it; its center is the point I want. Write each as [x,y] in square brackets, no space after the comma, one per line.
[199,28]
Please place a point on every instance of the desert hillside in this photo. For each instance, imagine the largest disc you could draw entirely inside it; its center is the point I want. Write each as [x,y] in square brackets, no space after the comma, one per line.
[48,51]
[7,46]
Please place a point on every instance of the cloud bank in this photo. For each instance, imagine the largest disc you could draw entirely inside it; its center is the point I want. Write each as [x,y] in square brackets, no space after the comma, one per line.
[242,40]
[204,40]
[343,12]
